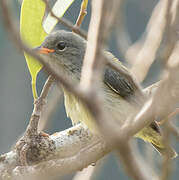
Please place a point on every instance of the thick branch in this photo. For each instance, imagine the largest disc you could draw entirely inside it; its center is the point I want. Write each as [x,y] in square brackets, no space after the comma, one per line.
[75,148]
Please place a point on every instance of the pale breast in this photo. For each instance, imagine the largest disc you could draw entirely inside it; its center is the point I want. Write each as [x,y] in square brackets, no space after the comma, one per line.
[116,106]
[77,112]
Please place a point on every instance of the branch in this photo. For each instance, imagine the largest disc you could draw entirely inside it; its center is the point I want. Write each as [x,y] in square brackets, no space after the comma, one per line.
[146,48]
[31,136]
[82,14]
[159,105]
[74,149]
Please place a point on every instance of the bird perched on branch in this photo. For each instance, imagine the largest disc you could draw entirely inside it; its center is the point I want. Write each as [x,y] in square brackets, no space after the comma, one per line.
[65,51]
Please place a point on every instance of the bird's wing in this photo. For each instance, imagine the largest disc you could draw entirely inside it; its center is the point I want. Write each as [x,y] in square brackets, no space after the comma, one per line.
[125,87]
[119,83]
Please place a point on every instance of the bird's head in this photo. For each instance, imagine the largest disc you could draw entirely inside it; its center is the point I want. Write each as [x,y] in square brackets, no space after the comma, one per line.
[65,50]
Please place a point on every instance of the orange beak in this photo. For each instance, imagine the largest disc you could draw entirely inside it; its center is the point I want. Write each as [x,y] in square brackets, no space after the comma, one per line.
[43,50]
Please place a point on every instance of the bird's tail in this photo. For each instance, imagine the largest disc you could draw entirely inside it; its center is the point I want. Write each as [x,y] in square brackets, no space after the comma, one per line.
[153,135]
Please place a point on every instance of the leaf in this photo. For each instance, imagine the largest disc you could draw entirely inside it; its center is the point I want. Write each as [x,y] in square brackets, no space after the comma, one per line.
[58,9]
[32,32]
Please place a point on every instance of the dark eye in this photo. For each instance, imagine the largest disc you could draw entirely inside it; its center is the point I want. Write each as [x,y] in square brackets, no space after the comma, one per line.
[61,45]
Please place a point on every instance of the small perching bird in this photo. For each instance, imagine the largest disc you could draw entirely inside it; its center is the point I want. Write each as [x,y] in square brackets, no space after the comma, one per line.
[65,51]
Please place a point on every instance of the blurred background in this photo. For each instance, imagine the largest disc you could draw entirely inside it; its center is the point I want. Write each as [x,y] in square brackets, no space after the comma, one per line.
[16,100]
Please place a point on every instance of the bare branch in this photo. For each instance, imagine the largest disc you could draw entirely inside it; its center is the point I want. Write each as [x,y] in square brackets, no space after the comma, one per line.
[53,99]
[63,160]
[159,105]
[87,149]
[148,46]
[46,87]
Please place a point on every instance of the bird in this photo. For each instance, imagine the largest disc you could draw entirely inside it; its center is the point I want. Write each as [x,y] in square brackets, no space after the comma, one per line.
[65,51]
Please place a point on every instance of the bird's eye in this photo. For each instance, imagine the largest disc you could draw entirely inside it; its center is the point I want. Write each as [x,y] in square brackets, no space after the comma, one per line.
[61,45]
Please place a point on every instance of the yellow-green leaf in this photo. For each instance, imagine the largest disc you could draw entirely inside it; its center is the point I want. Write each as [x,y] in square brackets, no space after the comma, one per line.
[32,32]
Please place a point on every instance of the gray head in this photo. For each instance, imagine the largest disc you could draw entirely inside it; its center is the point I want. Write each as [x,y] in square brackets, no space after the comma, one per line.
[65,50]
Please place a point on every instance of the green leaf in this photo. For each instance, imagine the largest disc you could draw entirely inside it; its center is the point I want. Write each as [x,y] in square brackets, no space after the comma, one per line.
[32,32]
[59,10]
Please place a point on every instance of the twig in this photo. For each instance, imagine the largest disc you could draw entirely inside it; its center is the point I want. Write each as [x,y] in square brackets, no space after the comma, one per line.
[171,30]
[159,105]
[82,14]
[174,113]
[121,32]
[92,70]
[46,87]
[27,141]
[96,39]
[146,55]
[94,59]
[51,106]
[65,22]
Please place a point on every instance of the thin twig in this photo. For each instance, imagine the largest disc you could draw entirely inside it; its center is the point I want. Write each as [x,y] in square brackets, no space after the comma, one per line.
[65,22]
[24,143]
[146,55]
[171,115]
[159,105]
[53,100]
[171,30]
[82,14]
[46,87]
